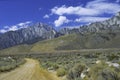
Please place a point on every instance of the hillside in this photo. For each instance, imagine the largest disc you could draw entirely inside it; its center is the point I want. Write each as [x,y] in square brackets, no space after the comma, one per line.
[78,41]
[41,46]
[70,42]
[17,49]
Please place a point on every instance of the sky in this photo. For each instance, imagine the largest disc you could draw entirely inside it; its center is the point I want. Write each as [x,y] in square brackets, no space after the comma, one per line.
[17,14]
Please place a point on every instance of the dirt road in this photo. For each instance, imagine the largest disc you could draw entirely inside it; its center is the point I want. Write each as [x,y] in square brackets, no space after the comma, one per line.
[31,70]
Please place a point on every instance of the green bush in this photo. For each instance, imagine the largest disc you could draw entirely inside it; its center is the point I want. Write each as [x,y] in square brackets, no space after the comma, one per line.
[102,71]
[113,57]
[55,66]
[61,72]
[76,71]
[9,64]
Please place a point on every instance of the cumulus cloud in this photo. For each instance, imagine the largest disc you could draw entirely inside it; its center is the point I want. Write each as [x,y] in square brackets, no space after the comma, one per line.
[78,10]
[46,16]
[90,19]
[61,20]
[15,27]
[88,13]
[92,8]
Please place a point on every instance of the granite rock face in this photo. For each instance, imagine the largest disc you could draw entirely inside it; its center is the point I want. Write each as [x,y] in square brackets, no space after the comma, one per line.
[28,35]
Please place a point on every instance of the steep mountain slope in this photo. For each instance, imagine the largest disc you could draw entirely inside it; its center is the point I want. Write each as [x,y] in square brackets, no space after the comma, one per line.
[31,34]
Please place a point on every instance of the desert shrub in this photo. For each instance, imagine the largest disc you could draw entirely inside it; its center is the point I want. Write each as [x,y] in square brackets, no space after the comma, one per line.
[76,71]
[109,75]
[7,64]
[119,62]
[90,56]
[55,66]
[105,74]
[118,53]
[98,53]
[61,72]
[51,65]
[113,57]
[48,64]
[102,71]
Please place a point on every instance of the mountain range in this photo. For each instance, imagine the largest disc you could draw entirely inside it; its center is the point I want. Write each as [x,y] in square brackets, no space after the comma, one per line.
[42,37]
[28,35]
[110,25]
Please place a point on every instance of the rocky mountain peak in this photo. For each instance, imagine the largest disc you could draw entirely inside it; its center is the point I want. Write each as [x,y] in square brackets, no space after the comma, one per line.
[36,32]
[110,25]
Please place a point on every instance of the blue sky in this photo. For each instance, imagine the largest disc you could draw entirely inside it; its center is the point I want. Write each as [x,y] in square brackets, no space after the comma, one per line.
[17,14]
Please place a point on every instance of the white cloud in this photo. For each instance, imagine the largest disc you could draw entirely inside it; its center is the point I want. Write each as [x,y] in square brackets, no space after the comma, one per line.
[88,13]
[61,20]
[46,16]
[24,23]
[92,8]
[15,27]
[3,30]
[90,19]
[73,10]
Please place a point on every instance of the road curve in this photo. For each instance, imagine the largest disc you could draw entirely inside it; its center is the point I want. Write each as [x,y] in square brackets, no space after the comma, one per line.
[31,70]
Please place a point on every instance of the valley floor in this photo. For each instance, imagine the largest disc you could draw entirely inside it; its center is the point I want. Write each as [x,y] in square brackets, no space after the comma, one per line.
[31,70]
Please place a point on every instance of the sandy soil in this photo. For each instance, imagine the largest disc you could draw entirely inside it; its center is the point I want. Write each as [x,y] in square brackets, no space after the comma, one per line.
[31,70]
